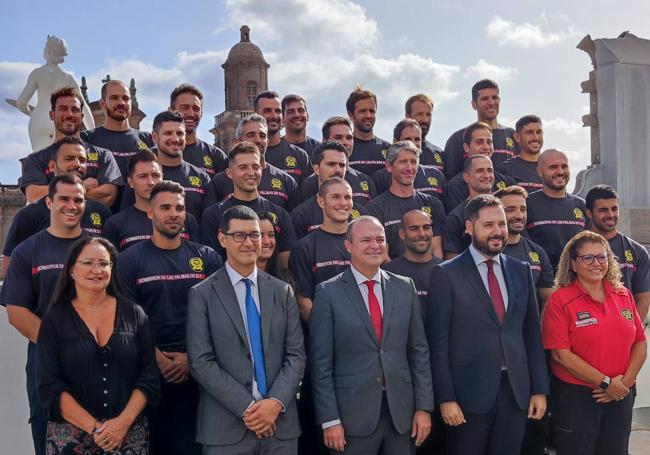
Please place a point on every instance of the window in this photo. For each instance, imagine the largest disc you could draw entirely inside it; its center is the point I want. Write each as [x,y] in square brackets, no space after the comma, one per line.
[251,92]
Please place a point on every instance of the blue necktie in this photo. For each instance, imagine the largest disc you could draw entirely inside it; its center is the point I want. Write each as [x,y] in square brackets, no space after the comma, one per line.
[254,323]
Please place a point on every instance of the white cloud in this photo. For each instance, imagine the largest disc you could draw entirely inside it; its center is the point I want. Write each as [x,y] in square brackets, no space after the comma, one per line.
[526,34]
[486,70]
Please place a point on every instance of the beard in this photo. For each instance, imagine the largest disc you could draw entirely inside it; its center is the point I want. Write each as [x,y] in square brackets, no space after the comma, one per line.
[485,248]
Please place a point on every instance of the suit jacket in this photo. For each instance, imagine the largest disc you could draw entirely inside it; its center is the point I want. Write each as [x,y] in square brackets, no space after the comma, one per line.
[468,343]
[349,367]
[220,359]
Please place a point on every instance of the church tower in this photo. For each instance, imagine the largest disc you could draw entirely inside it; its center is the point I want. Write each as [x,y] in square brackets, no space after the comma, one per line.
[245,75]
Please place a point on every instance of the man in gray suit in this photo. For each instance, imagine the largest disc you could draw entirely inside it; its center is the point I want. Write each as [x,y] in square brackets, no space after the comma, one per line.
[368,353]
[245,349]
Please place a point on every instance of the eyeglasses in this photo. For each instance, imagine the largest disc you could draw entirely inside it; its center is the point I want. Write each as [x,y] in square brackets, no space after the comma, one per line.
[240,237]
[589,259]
[89,264]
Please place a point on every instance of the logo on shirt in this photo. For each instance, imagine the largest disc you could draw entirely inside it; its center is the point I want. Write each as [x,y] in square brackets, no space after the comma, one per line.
[276,184]
[355,214]
[364,186]
[585,319]
[629,257]
[95,219]
[627,314]
[501,185]
[196,264]
[437,158]
[510,143]
[427,210]
[384,153]
[194,180]
[275,217]
[432,181]
[207,161]
[141,145]
[534,257]
[93,156]
[290,161]
[578,214]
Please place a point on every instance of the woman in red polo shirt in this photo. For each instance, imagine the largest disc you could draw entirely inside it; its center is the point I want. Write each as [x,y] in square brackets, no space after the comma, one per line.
[597,345]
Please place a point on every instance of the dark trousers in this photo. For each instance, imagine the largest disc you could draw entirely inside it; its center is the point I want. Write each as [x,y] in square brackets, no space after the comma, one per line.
[584,427]
[37,415]
[497,432]
[173,421]
[434,444]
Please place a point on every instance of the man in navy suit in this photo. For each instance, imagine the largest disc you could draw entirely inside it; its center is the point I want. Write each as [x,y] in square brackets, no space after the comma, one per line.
[488,366]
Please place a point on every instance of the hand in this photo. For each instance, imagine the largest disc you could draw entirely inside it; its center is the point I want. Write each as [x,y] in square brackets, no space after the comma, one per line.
[421,427]
[537,407]
[90,183]
[334,438]
[112,432]
[173,366]
[615,392]
[261,416]
[452,414]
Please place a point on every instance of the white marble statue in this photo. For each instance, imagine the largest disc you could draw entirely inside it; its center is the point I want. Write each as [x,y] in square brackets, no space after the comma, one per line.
[44,81]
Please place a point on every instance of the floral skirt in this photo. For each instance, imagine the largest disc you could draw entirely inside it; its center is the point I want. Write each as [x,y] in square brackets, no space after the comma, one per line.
[66,439]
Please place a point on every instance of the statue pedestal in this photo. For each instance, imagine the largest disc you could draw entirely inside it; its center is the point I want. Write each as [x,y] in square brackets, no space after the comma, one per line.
[636,224]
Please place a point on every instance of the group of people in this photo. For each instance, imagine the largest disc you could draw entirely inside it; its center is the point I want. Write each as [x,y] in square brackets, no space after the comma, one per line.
[309,296]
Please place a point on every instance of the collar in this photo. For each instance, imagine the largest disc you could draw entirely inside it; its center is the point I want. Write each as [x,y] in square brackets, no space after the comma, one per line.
[480,259]
[235,277]
[361,278]
[607,288]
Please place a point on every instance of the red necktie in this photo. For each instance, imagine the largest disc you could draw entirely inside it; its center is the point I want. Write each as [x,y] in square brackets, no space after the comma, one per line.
[495,292]
[375,311]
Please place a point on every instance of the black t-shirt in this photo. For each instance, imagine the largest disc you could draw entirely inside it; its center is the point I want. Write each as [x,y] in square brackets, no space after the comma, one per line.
[195,183]
[308,216]
[207,157]
[552,222]
[100,165]
[454,238]
[454,156]
[123,144]
[317,257]
[369,156]
[36,216]
[389,209]
[308,146]
[363,188]
[419,272]
[523,172]
[432,155]
[159,281]
[211,222]
[457,190]
[634,262]
[428,180]
[275,185]
[131,226]
[291,159]
[530,252]
[34,270]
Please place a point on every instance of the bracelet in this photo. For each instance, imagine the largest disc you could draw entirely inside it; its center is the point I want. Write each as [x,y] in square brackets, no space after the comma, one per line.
[95,429]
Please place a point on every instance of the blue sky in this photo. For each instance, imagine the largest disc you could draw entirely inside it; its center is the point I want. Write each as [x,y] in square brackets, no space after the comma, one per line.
[321,49]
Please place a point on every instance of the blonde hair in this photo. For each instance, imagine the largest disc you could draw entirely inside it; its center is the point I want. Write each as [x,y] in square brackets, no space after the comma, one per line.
[565,275]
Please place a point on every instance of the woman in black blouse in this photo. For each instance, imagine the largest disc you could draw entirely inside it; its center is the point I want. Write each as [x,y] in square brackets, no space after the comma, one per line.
[96,364]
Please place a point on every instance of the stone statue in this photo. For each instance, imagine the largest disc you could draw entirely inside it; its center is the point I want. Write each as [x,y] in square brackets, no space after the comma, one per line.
[44,81]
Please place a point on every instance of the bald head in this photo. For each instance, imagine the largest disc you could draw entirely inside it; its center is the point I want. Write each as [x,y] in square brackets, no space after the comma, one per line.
[553,169]
[551,154]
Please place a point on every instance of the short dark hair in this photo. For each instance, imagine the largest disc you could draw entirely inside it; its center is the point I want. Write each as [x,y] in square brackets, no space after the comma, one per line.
[72,140]
[237,212]
[241,148]
[166,116]
[482,85]
[268,94]
[336,120]
[467,165]
[467,133]
[65,91]
[525,120]
[290,99]
[358,94]
[66,179]
[404,123]
[144,156]
[107,83]
[422,97]
[327,145]
[601,191]
[166,186]
[511,190]
[324,187]
[479,202]
[184,88]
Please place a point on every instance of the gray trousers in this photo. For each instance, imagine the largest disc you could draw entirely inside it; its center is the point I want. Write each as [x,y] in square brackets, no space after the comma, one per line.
[250,445]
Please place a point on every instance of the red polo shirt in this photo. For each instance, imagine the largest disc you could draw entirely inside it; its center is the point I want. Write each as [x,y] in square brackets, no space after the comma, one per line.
[602,334]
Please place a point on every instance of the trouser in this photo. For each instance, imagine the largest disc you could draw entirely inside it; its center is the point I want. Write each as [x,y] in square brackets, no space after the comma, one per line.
[385,439]
[37,414]
[536,439]
[584,427]
[500,431]
[251,445]
[173,421]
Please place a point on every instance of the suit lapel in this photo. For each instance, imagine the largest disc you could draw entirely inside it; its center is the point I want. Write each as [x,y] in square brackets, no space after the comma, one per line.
[387,297]
[226,295]
[356,300]
[265,291]
[475,280]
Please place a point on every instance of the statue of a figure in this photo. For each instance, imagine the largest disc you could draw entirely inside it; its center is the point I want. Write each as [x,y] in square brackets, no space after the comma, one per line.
[45,80]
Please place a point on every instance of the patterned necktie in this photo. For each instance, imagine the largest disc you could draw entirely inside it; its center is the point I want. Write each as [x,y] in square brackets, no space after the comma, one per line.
[254,323]
[375,311]
[495,292]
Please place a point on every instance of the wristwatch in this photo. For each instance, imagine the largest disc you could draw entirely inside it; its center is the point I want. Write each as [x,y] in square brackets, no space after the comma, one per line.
[605,383]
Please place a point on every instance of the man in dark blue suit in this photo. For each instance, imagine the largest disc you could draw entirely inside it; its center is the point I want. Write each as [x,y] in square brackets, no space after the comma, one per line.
[487,360]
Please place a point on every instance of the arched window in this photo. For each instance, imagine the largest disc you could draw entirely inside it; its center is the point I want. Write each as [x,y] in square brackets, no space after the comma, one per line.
[251,92]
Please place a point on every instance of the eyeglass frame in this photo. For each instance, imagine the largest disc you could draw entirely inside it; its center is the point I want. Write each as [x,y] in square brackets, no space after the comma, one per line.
[246,236]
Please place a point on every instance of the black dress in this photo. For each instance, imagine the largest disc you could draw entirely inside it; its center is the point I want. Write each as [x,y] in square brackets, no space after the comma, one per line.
[100,378]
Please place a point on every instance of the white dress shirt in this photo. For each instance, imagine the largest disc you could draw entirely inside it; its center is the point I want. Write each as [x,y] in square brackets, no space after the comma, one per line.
[481,265]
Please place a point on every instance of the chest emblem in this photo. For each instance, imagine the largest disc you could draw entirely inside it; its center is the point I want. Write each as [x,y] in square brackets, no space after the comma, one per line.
[95,219]
[627,314]
[196,264]
[578,214]
[194,180]
[290,161]
[276,184]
